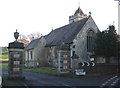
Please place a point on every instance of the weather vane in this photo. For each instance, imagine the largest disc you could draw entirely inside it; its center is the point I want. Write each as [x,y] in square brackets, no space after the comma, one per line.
[78,4]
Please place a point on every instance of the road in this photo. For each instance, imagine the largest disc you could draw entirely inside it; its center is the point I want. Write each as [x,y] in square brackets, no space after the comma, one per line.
[37,79]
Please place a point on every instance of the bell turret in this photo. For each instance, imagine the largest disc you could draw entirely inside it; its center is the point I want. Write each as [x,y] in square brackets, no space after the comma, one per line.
[78,15]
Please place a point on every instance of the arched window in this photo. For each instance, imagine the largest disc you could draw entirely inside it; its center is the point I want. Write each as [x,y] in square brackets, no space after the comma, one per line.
[90,41]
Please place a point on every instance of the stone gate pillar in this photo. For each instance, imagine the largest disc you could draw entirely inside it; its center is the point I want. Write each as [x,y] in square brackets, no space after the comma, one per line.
[63,59]
[15,64]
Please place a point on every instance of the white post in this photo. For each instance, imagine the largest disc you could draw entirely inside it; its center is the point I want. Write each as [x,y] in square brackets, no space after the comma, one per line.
[29,59]
[29,55]
[26,56]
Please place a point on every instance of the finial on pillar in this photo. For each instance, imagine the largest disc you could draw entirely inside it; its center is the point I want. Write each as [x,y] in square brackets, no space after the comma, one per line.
[16,35]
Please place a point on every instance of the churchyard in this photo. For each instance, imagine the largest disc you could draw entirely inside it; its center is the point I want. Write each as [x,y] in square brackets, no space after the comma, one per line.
[43,69]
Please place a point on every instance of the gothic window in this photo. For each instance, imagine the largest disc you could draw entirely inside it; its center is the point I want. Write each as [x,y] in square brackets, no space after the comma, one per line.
[73,53]
[90,41]
[73,46]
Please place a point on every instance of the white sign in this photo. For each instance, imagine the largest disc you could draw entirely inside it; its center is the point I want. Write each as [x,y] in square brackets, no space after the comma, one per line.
[91,59]
[93,64]
[88,64]
[83,64]
[80,72]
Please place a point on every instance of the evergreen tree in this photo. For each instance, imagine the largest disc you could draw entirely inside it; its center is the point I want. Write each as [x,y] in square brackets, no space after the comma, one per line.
[106,43]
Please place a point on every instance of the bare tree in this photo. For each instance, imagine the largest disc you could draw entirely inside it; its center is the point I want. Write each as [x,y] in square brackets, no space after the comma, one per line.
[24,40]
[33,36]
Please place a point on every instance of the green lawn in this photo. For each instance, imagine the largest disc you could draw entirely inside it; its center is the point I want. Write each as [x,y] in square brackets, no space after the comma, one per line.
[52,71]
[44,70]
[4,66]
[2,57]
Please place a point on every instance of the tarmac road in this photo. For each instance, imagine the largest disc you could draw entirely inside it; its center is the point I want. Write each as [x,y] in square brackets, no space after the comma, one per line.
[37,79]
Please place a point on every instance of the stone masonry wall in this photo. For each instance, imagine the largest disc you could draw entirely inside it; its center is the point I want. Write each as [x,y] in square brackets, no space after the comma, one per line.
[80,41]
[39,51]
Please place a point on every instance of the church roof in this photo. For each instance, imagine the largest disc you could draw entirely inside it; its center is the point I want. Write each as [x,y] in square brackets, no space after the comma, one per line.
[64,34]
[32,44]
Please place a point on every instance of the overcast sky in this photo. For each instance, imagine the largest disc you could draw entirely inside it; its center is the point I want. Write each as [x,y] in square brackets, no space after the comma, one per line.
[30,16]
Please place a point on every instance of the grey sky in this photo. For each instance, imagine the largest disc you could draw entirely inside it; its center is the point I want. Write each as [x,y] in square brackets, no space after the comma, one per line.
[30,16]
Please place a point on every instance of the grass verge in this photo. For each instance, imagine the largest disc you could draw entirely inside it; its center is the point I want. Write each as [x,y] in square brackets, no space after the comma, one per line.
[53,71]
[44,70]
[4,66]
[3,56]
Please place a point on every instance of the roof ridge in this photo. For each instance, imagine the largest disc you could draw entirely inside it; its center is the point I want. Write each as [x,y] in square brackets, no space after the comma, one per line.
[68,25]
[71,30]
[32,44]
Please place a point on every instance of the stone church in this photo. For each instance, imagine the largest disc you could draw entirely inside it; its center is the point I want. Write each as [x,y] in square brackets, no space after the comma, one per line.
[77,39]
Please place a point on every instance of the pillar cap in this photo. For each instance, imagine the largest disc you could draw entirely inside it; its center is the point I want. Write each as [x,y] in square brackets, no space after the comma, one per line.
[16,45]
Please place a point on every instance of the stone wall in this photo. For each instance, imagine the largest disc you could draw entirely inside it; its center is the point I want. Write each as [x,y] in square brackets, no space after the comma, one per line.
[39,52]
[100,60]
[103,60]
[101,68]
[80,41]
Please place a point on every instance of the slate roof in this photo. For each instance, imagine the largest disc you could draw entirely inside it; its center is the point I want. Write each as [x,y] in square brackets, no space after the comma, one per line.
[32,44]
[64,34]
